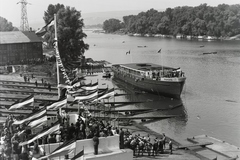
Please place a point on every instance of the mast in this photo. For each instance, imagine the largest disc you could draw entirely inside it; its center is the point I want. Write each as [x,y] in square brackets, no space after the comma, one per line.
[56,48]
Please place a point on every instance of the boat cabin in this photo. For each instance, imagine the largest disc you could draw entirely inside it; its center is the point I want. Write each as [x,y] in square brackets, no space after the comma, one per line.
[149,70]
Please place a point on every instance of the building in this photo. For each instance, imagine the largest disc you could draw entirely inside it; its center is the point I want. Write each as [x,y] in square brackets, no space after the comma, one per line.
[20,47]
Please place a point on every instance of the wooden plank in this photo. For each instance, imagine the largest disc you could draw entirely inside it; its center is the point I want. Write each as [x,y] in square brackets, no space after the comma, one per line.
[26,86]
[19,82]
[13,91]
[195,145]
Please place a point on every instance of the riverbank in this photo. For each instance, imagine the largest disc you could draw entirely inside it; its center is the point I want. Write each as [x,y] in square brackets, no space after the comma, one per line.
[178,36]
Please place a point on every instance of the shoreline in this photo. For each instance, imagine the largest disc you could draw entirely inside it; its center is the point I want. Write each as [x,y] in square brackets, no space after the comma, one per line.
[184,37]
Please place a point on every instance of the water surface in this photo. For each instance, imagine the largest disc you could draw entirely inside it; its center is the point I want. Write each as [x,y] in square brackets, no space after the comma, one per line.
[211,95]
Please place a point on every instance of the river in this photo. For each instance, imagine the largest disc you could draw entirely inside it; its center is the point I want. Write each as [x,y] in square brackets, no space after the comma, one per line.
[211,95]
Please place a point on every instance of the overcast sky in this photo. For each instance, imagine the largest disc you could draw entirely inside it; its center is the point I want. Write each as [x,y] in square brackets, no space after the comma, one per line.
[10,10]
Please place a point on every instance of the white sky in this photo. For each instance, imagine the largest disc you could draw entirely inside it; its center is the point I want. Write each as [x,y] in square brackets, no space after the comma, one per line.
[10,10]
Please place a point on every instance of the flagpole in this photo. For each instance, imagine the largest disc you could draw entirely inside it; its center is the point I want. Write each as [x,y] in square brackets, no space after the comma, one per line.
[56,48]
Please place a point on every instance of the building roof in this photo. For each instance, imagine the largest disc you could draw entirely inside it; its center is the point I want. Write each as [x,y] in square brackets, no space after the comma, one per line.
[145,66]
[18,37]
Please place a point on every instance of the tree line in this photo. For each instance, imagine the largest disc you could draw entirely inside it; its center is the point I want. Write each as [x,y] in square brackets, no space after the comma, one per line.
[220,21]
[6,26]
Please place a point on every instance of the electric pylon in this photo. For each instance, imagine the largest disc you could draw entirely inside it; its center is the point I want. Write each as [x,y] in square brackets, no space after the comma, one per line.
[24,20]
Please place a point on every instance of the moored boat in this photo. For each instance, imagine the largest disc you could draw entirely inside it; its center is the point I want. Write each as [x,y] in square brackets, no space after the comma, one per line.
[152,78]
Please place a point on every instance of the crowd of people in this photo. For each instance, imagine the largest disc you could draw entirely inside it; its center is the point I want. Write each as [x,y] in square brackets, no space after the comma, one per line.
[84,128]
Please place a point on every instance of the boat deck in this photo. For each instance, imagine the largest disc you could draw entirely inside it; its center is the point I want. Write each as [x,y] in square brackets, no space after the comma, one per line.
[145,66]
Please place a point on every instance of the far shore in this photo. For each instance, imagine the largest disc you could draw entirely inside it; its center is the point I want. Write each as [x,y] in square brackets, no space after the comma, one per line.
[178,36]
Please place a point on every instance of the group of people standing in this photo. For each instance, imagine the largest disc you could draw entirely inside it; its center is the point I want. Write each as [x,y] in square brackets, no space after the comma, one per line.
[144,144]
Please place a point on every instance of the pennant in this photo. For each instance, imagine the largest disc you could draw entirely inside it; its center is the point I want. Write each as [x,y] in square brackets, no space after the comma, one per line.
[79,155]
[44,29]
[109,94]
[31,117]
[44,132]
[58,104]
[26,101]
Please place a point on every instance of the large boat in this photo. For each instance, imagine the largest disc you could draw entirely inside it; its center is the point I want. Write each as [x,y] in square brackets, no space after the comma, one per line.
[152,78]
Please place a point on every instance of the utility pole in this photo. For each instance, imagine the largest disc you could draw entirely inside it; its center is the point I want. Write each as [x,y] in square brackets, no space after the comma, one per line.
[24,20]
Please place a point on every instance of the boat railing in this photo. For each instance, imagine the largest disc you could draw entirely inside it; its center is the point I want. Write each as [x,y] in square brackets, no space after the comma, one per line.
[137,77]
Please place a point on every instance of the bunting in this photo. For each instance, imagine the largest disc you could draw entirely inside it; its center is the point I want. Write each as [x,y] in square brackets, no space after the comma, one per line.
[61,67]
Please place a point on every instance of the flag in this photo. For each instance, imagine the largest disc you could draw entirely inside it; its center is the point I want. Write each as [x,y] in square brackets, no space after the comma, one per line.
[58,104]
[84,89]
[108,94]
[64,149]
[86,97]
[37,122]
[44,132]
[79,155]
[31,116]
[44,29]
[128,52]
[26,101]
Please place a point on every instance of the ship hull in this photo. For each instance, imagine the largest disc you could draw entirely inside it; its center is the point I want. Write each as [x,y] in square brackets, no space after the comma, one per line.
[166,88]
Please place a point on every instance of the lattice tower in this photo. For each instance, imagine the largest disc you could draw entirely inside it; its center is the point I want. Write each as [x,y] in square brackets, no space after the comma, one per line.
[24,20]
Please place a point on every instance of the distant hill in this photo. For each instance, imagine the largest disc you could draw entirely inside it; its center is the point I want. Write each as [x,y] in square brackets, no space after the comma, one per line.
[99,17]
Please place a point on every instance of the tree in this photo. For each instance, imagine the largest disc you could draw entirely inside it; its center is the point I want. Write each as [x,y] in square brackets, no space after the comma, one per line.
[69,29]
[112,25]
[6,26]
